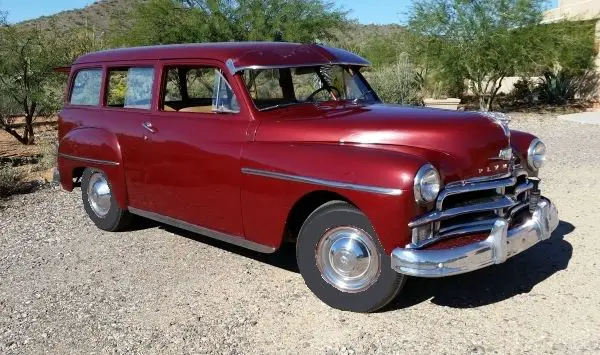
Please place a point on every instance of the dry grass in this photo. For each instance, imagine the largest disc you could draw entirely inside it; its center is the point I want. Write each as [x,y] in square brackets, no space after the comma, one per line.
[45,131]
[25,168]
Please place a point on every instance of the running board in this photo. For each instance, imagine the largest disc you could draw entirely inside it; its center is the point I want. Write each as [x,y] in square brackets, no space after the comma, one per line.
[231,239]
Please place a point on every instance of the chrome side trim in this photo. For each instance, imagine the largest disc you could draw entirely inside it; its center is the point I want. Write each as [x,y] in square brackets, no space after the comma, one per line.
[434,216]
[88,160]
[231,239]
[329,183]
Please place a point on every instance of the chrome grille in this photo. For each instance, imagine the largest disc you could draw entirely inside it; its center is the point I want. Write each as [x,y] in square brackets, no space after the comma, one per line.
[472,207]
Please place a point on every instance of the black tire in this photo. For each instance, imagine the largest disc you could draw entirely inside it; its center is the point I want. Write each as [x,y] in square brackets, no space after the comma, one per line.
[331,215]
[116,219]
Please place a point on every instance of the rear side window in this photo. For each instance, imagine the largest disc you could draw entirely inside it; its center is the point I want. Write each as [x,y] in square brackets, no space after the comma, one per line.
[86,87]
[130,88]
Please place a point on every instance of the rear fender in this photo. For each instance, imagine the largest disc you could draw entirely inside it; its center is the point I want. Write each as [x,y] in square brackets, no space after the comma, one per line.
[92,148]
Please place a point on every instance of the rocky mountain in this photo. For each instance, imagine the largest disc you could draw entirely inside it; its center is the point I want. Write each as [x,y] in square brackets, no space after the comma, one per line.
[97,15]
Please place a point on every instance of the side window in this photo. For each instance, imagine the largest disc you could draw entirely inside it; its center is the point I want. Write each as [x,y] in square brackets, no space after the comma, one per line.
[197,89]
[130,88]
[86,87]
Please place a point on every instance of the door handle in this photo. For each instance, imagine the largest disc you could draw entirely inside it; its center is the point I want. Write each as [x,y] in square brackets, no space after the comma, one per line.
[149,127]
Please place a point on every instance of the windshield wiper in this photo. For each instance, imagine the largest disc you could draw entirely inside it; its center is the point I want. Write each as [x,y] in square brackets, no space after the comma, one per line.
[362,96]
[278,106]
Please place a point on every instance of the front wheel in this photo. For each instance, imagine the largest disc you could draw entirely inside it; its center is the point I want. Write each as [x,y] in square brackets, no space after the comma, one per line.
[99,202]
[342,261]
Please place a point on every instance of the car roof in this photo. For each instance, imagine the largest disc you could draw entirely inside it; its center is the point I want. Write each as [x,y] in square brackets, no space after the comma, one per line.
[237,55]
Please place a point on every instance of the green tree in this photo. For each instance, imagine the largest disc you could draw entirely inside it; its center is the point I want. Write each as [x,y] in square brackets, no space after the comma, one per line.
[26,64]
[188,21]
[480,41]
[29,85]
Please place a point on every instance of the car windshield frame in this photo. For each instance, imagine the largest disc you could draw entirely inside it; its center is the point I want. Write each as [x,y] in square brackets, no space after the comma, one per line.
[362,92]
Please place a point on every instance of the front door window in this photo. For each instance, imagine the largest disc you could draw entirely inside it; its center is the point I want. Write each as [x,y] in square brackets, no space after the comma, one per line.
[197,89]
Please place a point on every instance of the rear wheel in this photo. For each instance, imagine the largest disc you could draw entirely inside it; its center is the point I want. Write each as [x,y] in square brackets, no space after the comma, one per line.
[99,202]
[342,261]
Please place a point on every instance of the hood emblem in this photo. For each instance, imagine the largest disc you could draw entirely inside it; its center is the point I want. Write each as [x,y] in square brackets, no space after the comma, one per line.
[505,154]
[493,168]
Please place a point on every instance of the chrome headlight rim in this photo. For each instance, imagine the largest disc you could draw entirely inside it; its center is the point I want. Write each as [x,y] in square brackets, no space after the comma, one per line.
[534,164]
[417,185]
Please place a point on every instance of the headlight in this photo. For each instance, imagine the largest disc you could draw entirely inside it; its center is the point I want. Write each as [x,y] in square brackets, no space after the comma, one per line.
[536,154]
[427,184]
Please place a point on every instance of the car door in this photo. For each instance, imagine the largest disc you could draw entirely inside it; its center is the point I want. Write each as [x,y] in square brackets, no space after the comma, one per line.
[192,152]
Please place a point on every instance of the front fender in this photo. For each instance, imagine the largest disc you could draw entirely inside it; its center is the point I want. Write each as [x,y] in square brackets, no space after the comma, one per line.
[276,175]
[520,142]
[92,148]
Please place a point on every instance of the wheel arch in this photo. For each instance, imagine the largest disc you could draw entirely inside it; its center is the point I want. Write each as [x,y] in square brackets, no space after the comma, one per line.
[305,206]
[89,147]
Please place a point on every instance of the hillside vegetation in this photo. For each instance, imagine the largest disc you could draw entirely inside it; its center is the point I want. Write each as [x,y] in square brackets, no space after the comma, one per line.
[379,43]
[97,15]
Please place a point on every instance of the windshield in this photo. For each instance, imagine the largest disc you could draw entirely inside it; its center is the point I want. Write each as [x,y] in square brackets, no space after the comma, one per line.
[273,88]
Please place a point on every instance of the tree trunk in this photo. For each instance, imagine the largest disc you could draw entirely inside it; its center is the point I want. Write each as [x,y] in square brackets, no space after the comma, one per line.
[479,92]
[14,133]
[28,135]
[482,103]
[497,87]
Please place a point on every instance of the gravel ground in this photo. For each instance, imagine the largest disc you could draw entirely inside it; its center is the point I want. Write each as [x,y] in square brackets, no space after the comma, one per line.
[66,287]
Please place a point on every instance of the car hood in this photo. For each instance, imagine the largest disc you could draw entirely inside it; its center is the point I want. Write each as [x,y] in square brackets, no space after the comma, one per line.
[461,145]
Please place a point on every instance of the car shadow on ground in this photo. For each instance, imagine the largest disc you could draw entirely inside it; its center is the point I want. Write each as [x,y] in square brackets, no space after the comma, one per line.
[284,258]
[497,283]
[517,275]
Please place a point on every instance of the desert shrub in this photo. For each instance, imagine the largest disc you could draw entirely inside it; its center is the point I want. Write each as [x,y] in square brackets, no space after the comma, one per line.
[561,87]
[48,156]
[10,179]
[398,83]
[524,91]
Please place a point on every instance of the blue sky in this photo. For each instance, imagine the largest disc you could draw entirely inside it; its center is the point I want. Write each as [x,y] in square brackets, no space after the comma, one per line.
[366,11]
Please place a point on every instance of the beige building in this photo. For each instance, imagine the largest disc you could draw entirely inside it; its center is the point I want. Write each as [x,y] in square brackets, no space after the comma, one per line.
[574,10]
[570,10]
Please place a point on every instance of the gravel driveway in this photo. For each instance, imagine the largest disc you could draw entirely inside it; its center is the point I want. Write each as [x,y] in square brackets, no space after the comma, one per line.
[67,287]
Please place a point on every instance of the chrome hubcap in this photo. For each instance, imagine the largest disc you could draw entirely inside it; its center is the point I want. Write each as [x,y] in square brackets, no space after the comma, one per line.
[99,194]
[348,259]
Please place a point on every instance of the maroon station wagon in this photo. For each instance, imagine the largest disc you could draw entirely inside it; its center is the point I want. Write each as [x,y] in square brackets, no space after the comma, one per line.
[258,144]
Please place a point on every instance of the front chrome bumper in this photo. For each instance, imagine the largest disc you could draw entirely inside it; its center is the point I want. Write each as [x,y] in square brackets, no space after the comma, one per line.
[502,244]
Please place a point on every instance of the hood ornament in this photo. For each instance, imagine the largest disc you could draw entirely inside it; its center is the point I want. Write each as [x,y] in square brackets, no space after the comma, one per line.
[500,119]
